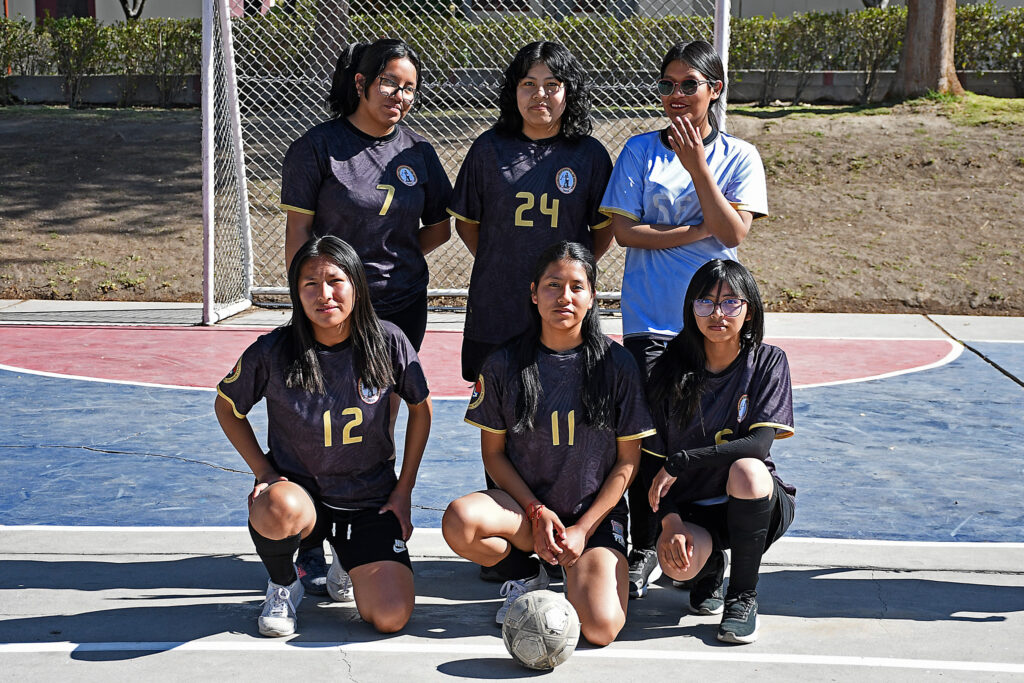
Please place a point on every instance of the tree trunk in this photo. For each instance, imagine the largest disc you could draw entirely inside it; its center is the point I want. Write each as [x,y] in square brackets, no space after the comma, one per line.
[926,63]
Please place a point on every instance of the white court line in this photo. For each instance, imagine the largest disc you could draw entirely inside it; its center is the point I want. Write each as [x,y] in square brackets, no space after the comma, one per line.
[955,350]
[496,650]
[431,531]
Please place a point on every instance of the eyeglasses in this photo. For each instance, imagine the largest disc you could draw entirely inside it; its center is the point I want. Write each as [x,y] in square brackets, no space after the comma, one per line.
[389,88]
[730,307]
[549,88]
[688,87]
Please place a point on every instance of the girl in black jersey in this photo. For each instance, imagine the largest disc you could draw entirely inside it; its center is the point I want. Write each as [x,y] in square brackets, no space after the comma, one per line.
[720,398]
[561,412]
[371,181]
[327,378]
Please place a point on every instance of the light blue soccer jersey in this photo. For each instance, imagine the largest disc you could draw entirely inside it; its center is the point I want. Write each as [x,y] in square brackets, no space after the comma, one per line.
[649,185]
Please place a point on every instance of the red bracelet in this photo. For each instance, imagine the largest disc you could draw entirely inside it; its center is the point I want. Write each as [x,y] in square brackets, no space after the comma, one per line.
[534,510]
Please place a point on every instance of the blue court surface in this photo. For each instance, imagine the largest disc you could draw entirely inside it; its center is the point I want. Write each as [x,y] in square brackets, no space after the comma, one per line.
[904,559]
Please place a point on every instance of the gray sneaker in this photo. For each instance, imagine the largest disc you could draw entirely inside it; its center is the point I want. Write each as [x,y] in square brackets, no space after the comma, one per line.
[339,583]
[740,622]
[278,616]
[311,567]
[643,569]
[706,588]
[512,590]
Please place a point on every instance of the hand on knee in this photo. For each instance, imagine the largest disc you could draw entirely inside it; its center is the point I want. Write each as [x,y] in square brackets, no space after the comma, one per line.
[282,511]
[749,479]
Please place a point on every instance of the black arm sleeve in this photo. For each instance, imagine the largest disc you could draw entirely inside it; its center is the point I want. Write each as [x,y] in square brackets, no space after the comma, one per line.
[756,444]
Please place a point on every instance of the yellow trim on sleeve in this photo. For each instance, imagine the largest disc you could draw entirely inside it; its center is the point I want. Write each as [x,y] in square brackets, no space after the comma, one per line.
[462,218]
[609,211]
[492,430]
[603,224]
[289,207]
[787,431]
[748,209]
[656,455]
[634,437]
[227,398]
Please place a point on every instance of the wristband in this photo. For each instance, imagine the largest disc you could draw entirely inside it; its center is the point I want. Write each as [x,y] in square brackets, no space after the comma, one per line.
[534,510]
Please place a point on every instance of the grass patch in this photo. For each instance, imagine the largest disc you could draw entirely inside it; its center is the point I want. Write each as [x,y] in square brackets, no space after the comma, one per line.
[974,110]
[97,114]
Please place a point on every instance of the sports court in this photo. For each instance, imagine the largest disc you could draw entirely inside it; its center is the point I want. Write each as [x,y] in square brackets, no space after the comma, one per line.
[125,553]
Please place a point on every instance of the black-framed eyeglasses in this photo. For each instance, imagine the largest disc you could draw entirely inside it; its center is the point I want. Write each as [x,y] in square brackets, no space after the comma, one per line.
[390,88]
[667,86]
[730,307]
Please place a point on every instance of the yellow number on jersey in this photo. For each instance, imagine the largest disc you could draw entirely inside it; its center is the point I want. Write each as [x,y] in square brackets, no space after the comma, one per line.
[346,433]
[549,210]
[387,200]
[527,204]
[572,428]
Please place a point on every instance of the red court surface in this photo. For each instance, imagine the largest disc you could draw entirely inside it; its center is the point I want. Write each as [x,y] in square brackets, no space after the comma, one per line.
[200,356]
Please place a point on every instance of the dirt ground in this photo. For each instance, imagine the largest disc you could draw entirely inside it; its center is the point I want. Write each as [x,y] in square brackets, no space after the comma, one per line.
[901,211]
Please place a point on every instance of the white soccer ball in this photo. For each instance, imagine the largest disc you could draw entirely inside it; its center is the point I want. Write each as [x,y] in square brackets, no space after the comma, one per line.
[541,630]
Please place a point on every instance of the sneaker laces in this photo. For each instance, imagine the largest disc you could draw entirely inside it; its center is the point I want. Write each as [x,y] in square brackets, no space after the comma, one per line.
[280,602]
[739,607]
[511,590]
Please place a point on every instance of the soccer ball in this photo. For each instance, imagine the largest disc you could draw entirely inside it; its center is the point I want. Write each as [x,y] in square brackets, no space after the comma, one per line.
[541,630]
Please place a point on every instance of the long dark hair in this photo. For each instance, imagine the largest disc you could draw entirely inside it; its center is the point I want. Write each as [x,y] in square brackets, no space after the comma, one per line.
[575,122]
[597,399]
[701,56]
[371,354]
[678,376]
[370,60]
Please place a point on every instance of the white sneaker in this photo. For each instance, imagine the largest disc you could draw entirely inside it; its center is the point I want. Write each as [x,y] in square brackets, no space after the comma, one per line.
[278,618]
[511,590]
[339,584]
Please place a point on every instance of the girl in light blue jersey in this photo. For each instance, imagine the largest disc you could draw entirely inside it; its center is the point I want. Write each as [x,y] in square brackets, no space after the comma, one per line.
[678,198]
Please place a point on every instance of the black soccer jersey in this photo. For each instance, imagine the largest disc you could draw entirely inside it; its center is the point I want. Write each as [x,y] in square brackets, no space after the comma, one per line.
[340,441]
[754,391]
[526,195]
[373,193]
[563,460]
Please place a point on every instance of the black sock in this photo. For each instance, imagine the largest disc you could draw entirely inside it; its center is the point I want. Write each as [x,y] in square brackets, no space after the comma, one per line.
[518,564]
[748,529]
[278,556]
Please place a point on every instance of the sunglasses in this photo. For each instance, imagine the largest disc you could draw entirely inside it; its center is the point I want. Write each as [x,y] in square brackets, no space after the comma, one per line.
[688,87]
[730,307]
[390,88]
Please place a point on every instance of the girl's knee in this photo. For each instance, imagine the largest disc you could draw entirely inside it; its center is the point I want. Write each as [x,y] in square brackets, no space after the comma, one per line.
[749,478]
[602,631]
[282,510]
[455,527]
[389,618]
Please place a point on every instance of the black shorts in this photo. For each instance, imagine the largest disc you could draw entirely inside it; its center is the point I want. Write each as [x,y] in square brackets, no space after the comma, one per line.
[612,532]
[474,353]
[645,350]
[364,536]
[713,518]
[412,320]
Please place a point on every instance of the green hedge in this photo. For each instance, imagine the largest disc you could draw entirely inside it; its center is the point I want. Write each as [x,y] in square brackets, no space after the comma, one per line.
[988,38]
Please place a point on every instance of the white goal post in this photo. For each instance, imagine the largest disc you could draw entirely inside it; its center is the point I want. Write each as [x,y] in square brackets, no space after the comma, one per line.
[266,75]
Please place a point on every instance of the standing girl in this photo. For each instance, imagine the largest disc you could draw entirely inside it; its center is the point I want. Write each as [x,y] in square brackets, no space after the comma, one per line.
[327,377]
[560,411]
[365,178]
[678,197]
[534,179]
[722,397]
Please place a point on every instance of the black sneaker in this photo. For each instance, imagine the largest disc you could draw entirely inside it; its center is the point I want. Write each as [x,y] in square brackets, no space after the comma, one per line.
[706,587]
[312,570]
[643,569]
[494,575]
[740,622]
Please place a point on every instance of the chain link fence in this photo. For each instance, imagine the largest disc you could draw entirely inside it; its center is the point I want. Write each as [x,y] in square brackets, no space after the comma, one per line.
[284,59]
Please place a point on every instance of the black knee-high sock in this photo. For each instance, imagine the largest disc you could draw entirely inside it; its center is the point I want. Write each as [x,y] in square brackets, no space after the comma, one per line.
[748,529]
[518,563]
[278,556]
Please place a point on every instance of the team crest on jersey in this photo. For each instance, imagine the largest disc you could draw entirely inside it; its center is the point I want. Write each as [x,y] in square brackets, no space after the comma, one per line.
[399,546]
[478,393]
[234,374]
[566,180]
[618,533]
[370,395]
[407,175]
[741,408]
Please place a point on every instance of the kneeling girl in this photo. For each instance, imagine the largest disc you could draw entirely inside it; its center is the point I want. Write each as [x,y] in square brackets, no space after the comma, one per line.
[328,376]
[561,412]
[720,398]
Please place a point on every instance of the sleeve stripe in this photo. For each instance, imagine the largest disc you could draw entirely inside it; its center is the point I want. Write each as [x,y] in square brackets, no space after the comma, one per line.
[656,455]
[289,207]
[786,430]
[227,398]
[492,430]
[634,437]
[611,210]
[739,206]
[603,224]
[462,218]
